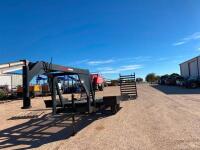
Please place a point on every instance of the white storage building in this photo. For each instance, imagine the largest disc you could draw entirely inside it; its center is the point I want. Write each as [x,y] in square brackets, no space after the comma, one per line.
[190,68]
[10,80]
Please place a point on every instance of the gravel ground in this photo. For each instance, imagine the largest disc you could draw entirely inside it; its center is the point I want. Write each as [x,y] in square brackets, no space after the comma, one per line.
[160,118]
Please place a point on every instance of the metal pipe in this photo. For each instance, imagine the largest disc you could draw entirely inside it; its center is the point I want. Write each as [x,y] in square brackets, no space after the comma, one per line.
[73,115]
[53,96]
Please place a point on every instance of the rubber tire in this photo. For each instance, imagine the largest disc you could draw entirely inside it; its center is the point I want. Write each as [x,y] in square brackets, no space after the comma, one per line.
[101,87]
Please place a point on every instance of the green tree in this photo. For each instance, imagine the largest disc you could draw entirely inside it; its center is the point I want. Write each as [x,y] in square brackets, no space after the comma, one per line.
[2,94]
[157,78]
[114,82]
[151,77]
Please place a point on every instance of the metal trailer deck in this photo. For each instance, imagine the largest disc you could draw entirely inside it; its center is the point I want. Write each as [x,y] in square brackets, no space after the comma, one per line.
[113,102]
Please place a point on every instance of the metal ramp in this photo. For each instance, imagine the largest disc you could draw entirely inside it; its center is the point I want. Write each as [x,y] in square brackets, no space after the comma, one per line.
[128,86]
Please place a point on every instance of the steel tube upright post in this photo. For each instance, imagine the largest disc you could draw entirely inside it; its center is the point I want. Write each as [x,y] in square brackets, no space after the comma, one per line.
[73,115]
[54,94]
[26,94]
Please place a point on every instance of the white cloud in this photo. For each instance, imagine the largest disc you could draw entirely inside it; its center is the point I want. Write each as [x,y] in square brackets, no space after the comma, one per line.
[162,59]
[81,61]
[137,59]
[110,72]
[129,67]
[141,59]
[194,36]
[105,68]
[100,62]
[122,69]
[134,59]
[179,43]
[198,49]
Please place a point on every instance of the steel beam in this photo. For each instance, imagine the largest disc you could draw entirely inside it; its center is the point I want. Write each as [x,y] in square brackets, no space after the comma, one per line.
[26,94]
[53,80]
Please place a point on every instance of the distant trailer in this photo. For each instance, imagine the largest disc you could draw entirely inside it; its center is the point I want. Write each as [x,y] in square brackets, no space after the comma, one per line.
[191,68]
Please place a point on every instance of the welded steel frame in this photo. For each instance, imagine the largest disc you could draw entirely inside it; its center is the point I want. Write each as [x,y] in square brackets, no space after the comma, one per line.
[30,70]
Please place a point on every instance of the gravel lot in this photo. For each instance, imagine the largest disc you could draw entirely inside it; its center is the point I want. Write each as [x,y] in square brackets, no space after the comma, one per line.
[160,118]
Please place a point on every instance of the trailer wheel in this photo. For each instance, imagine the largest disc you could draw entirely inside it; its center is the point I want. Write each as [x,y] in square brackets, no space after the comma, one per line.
[114,109]
[101,87]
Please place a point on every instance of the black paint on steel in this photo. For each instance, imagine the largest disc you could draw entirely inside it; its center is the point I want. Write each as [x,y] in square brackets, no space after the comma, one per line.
[113,102]
[51,70]
[87,84]
[73,115]
[54,95]
[128,85]
[26,94]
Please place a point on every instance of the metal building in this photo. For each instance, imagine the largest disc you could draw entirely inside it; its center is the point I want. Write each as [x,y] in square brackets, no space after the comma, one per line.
[10,80]
[191,68]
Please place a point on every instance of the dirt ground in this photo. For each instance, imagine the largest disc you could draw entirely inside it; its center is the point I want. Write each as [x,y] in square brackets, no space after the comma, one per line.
[160,118]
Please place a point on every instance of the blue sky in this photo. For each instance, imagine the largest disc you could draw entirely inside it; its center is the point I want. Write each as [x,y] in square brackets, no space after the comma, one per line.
[107,36]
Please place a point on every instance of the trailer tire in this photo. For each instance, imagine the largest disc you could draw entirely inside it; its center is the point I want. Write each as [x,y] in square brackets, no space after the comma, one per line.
[101,87]
[114,109]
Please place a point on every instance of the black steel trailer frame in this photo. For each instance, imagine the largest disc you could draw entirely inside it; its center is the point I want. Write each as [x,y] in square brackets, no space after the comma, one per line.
[53,71]
[30,70]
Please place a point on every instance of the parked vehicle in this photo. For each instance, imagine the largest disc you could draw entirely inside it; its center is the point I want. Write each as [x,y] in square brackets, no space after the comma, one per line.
[180,81]
[173,79]
[108,82]
[139,80]
[97,81]
[115,82]
[192,82]
[163,78]
[35,90]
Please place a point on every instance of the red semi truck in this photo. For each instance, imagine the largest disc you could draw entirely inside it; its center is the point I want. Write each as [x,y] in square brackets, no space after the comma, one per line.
[97,81]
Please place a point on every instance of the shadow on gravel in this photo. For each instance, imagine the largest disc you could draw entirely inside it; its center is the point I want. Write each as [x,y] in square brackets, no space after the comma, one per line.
[175,89]
[47,129]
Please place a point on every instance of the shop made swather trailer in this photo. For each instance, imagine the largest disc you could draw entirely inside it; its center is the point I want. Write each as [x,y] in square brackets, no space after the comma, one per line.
[31,70]
[53,71]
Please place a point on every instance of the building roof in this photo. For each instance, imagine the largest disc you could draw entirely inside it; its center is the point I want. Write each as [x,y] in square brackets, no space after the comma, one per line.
[192,59]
